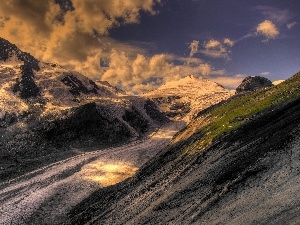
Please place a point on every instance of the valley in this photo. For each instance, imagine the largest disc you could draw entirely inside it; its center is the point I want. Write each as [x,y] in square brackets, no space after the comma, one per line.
[80,151]
[51,191]
[244,175]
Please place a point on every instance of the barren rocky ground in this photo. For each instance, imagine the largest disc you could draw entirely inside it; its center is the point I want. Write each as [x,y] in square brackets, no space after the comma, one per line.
[46,195]
[249,176]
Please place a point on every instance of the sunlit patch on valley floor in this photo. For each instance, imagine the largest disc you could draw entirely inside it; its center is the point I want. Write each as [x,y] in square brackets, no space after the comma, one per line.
[108,173]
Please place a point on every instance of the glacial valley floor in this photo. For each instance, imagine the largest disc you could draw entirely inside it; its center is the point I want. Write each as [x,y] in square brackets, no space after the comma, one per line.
[46,195]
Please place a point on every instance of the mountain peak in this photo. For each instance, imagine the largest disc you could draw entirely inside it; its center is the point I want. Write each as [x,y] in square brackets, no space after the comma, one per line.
[194,77]
[253,83]
[11,54]
[187,96]
[189,85]
[26,80]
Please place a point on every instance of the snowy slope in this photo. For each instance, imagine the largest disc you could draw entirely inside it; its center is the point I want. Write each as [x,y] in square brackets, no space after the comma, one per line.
[184,98]
[45,109]
[187,86]
[26,82]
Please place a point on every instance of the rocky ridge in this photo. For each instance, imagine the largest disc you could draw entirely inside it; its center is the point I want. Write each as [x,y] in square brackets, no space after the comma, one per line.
[253,83]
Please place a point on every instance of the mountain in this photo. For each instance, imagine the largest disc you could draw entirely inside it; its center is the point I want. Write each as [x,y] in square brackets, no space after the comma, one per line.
[184,98]
[47,110]
[26,80]
[253,83]
[236,163]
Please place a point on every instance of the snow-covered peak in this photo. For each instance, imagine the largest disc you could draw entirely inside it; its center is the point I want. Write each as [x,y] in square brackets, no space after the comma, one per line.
[189,85]
[26,80]
[184,98]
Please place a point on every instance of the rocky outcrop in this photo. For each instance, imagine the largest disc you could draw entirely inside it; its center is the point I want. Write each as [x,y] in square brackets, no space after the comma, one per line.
[154,113]
[10,52]
[253,83]
[87,125]
[77,86]
[25,86]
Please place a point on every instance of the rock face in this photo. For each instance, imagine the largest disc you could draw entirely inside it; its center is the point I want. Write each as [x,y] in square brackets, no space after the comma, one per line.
[248,176]
[46,110]
[26,83]
[10,52]
[184,98]
[253,83]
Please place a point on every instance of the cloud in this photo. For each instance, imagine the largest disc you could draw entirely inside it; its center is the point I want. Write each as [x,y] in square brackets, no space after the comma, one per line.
[212,44]
[279,16]
[267,29]
[73,36]
[216,49]
[138,73]
[276,82]
[228,42]
[144,73]
[77,37]
[191,61]
[265,73]
[278,20]
[194,47]
[290,25]
[205,69]
[229,82]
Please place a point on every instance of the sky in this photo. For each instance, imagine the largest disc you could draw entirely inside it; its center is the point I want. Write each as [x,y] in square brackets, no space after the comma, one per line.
[139,45]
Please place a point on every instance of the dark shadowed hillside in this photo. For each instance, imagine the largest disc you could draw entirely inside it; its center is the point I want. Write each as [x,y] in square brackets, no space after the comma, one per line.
[237,163]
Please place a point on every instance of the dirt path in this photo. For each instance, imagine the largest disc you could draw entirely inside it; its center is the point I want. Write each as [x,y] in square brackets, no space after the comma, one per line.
[45,196]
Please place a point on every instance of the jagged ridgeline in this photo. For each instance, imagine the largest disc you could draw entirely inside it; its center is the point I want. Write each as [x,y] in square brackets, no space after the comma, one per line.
[253,83]
[47,110]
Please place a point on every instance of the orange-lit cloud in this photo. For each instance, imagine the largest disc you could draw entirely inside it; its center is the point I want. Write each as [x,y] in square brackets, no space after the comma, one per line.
[276,82]
[230,82]
[267,29]
[194,47]
[217,49]
[79,38]
[228,42]
[143,73]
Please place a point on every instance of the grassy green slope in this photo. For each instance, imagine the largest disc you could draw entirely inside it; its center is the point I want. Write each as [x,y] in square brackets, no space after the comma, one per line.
[173,188]
[241,109]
